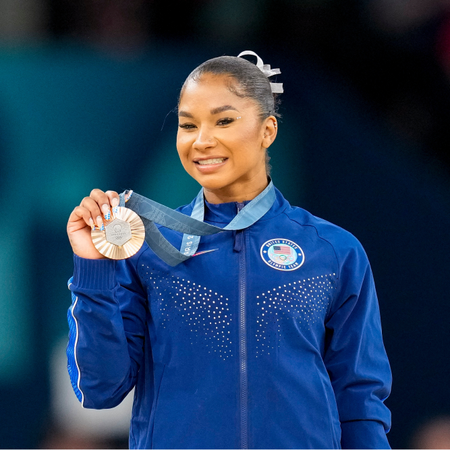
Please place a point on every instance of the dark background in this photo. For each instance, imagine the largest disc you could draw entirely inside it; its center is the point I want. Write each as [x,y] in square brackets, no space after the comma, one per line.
[87,92]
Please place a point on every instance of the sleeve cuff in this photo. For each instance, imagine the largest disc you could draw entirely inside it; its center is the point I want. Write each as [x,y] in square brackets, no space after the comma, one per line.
[363,434]
[94,273]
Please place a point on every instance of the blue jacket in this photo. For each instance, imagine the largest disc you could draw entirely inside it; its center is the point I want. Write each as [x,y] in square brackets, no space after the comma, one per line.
[269,339]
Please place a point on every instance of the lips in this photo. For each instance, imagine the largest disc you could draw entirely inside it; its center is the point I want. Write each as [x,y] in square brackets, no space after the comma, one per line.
[210,162]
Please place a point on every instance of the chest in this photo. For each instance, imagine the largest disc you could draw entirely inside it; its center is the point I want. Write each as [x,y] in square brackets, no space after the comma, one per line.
[277,287]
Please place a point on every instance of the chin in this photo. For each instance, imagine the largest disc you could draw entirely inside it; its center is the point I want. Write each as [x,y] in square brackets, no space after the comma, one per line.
[209,181]
[212,185]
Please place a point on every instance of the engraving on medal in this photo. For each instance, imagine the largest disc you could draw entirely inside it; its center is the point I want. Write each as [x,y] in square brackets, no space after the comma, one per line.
[118,232]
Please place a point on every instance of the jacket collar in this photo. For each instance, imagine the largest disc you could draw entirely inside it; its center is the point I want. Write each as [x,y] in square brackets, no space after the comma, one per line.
[223,213]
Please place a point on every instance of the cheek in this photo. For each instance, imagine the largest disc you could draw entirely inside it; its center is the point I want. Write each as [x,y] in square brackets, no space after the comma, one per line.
[183,154]
[253,133]
[182,146]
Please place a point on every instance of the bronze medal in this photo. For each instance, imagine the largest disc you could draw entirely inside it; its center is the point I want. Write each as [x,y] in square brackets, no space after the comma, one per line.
[122,236]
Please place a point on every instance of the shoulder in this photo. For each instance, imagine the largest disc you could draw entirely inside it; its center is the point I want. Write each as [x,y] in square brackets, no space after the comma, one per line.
[342,241]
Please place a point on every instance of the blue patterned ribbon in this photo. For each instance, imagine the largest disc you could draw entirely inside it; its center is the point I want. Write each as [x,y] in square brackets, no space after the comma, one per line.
[192,226]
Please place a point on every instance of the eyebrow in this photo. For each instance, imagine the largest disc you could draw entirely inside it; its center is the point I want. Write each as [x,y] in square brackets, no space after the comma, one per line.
[213,111]
[222,109]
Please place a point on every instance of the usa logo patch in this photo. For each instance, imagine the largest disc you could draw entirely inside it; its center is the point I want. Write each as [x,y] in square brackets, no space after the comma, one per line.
[282,254]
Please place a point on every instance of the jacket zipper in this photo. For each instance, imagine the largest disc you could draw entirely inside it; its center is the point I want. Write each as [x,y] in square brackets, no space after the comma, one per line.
[243,376]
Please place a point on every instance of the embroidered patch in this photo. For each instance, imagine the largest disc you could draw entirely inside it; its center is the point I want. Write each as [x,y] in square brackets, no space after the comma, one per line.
[282,254]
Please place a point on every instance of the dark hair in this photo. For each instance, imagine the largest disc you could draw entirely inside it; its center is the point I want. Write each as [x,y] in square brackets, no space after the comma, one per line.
[251,81]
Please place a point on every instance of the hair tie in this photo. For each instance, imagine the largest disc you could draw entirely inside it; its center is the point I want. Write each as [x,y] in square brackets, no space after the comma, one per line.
[277,88]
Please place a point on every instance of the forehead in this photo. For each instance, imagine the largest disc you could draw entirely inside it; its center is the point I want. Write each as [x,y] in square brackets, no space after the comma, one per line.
[211,88]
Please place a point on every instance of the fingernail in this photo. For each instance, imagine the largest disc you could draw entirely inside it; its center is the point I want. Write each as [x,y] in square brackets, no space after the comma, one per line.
[91,223]
[115,202]
[99,221]
[128,195]
[106,212]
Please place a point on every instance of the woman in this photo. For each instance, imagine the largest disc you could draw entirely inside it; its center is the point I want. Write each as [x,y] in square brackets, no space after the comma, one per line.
[269,337]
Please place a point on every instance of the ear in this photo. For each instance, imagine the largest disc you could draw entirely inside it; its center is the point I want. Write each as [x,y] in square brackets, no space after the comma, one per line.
[270,129]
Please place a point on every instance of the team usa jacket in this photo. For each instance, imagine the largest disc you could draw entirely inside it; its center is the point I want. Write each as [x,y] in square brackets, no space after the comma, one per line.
[268,337]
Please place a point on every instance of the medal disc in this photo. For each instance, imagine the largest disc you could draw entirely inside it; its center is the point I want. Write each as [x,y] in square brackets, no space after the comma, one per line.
[122,236]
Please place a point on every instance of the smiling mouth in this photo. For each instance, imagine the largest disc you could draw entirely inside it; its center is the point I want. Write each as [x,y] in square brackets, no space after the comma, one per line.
[206,162]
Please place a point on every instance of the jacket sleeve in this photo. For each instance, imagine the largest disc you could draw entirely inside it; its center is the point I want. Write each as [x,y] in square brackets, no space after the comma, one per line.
[106,331]
[355,356]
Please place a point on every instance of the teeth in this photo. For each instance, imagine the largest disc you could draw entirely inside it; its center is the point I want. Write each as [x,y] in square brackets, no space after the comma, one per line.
[211,161]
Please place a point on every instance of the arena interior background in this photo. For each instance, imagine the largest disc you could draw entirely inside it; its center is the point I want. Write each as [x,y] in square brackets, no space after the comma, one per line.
[87,96]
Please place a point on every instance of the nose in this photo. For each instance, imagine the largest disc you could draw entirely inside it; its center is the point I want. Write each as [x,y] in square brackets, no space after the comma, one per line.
[204,139]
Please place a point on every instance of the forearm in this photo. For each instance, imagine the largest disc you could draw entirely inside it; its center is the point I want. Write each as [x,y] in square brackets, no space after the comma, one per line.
[356,359]
[101,365]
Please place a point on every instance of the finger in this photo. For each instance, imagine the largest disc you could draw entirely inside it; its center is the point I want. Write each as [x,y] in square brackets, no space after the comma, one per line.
[106,201]
[114,198]
[96,210]
[79,218]
[80,235]
[101,198]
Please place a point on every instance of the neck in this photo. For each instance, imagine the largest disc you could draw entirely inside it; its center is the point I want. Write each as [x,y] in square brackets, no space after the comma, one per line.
[239,196]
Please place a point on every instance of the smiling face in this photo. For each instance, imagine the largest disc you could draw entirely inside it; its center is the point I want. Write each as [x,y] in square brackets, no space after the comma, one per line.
[222,140]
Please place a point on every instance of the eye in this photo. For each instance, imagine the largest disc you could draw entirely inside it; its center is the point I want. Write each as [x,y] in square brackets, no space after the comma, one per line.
[186,126]
[225,121]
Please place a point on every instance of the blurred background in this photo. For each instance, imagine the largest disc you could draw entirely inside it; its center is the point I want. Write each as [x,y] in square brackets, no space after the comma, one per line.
[87,96]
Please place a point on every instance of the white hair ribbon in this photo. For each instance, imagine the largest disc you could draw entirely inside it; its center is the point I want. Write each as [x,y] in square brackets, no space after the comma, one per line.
[277,88]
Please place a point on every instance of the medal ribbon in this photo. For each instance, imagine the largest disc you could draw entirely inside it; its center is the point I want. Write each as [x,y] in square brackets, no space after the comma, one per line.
[192,226]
